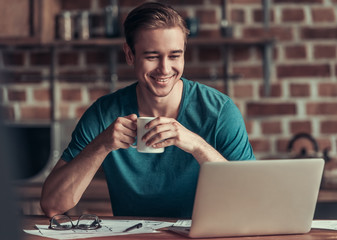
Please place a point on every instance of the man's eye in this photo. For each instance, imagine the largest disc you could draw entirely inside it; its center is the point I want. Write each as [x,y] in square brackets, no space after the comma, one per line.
[151,57]
[175,56]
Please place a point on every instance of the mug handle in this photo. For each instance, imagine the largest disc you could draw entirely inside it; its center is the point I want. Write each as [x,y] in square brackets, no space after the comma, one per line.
[133,146]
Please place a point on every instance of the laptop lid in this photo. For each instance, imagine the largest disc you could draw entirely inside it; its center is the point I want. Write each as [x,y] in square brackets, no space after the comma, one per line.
[247,198]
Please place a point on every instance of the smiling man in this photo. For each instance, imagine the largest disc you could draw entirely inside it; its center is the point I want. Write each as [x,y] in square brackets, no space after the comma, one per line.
[194,123]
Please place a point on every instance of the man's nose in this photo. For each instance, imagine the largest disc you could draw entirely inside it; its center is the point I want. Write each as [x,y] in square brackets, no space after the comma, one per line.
[165,66]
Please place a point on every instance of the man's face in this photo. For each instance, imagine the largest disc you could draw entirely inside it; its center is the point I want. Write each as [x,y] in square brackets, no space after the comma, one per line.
[158,60]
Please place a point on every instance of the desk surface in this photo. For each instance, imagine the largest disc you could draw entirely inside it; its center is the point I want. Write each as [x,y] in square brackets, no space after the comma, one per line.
[30,221]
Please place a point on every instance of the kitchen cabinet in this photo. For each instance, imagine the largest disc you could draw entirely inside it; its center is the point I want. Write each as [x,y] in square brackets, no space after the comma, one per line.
[27,21]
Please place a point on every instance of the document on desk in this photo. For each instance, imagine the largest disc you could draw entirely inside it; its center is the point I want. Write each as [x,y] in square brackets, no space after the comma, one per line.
[109,228]
[324,224]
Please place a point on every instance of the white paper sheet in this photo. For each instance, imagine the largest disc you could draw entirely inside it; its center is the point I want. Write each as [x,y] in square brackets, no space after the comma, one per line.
[324,224]
[109,228]
[183,223]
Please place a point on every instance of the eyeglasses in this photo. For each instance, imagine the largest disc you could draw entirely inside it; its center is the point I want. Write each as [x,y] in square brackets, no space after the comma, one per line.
[84,222]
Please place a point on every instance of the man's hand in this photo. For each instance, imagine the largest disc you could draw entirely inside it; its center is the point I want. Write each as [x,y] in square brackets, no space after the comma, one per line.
[167,132]
[120,134]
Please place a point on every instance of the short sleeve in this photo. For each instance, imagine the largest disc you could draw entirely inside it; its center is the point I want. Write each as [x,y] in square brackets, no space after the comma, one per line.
[231,135]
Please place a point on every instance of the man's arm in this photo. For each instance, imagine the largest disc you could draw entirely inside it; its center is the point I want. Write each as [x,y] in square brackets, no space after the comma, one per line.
[66,183]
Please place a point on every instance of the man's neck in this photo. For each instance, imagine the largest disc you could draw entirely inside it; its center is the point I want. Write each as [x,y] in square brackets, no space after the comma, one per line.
[167,106]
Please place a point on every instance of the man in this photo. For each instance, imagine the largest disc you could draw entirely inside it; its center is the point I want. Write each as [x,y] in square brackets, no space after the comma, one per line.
[194,123]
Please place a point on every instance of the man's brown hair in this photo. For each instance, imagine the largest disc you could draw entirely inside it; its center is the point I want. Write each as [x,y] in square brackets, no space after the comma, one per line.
[151,15]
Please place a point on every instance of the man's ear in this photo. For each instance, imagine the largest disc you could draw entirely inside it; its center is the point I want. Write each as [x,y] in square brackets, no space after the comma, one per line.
[130,58]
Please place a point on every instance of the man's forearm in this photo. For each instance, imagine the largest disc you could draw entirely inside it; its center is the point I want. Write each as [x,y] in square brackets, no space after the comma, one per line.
[64,187]
[203,152]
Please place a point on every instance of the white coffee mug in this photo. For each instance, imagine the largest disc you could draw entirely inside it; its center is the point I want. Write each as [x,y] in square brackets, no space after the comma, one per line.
[141,131]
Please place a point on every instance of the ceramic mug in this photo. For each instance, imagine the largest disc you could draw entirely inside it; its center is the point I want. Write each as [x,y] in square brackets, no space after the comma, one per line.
[141,131]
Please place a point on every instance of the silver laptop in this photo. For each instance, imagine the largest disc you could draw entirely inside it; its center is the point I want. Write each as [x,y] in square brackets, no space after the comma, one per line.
[249,198]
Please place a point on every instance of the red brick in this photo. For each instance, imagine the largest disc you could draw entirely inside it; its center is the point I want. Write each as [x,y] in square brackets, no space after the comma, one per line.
[300,127]
[292,15]
[42,94]
[240,53]
[304,2]
[206,16]
[323,33]
[185,2]
[243,91]
[209,53]
[249,126]
[97,57]
[260,145]
[323,15]
[35,112]
[282,145]
[325,51]
[327,89]
[40,58]
[17,95]
[97,92]
[258,16]
[318,70]
[13,58]
[209,33]
[280,33]
[329,127]
[71,95]
[68,58]
[77,76]
[247,72]
[126,73]
[26,76]
[80,110]
[321,108]
[299,90]
[272,127]
[198,71]
[76,4]
[124,3]
[64,111]
[295,52]
[324,143]
[245,2]
[270,109]
[274,91]
[237,16]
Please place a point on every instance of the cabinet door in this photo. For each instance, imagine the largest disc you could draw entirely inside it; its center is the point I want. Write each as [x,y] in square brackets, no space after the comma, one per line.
[28,21]
[16,18]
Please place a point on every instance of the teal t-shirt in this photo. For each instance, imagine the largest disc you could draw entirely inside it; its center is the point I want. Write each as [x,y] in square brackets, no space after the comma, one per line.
[164,184]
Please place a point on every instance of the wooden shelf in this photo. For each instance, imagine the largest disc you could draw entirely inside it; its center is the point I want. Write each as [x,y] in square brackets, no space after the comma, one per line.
[106,42]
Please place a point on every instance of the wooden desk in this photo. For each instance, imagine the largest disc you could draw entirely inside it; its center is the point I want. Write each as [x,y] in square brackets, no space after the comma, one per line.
[30,221]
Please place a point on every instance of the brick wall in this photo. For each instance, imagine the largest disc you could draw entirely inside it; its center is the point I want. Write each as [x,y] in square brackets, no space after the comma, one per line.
[303,76]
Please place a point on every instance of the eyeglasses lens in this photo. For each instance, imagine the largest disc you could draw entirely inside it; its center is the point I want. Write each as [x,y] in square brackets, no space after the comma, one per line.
[61,222]
[88,222]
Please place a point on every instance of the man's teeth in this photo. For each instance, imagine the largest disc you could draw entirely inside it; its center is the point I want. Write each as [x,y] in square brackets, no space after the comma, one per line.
[162,79]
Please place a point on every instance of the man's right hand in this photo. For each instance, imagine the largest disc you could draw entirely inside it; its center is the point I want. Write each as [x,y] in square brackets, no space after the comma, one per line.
[121,133]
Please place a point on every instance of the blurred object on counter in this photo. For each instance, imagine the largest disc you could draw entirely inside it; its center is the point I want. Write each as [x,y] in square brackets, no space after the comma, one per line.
[112,28]
[306,151]
[309,148]
[65,26]
[226,29]
[192,24]
[83,25]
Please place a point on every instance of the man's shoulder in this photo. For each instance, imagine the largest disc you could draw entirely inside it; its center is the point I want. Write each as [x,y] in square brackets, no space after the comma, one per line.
[204,91]
[117,95]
